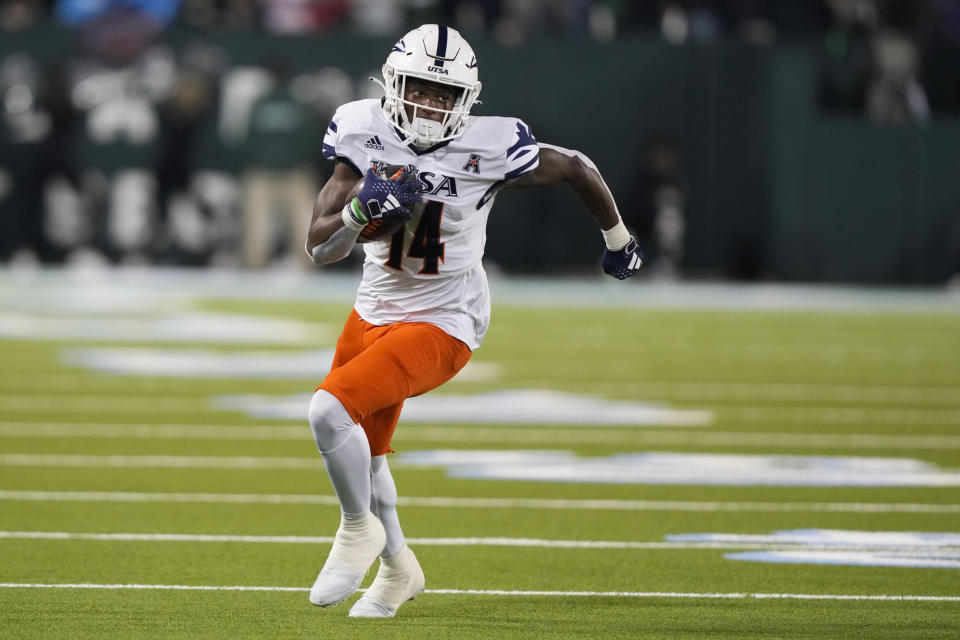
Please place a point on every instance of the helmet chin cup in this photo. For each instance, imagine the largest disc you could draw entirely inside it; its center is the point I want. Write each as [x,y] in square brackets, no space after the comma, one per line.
[425,132]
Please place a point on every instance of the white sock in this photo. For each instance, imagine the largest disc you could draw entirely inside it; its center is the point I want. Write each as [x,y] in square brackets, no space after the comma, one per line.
[349,469]
[345,451]
[383,504]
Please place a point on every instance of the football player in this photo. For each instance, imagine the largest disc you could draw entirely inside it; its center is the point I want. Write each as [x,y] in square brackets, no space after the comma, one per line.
[423,304]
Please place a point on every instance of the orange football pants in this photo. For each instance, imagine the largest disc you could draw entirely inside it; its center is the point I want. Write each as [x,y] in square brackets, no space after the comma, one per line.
[376,368]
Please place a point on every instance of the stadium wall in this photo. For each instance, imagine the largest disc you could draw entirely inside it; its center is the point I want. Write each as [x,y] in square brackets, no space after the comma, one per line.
[775,188]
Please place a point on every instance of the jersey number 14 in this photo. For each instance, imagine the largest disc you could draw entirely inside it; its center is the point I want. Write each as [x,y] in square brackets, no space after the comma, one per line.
[426,243]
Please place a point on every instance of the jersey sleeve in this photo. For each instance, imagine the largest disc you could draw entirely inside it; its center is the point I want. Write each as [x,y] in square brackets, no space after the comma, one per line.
[523,155]
[338,141]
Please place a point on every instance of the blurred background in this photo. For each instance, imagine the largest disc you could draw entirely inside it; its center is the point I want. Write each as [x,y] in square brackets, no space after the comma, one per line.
[770,140]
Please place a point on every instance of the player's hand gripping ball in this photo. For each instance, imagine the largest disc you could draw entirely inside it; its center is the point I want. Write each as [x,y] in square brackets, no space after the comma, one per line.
[623,263]
[382,199]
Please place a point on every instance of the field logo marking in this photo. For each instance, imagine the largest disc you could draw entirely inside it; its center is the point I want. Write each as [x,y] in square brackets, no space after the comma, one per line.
[207,363]
[524,406]
[657,468]
[178,326]
[909,549]
[684,468]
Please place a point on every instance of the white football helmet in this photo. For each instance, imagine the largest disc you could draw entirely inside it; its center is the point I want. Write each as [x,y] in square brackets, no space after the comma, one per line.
[438,54]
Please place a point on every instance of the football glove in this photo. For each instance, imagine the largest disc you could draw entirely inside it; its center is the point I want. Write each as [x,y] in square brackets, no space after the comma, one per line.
[383,198]
[623,263]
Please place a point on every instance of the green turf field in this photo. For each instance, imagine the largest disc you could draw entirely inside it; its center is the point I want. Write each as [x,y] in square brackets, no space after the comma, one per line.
[784,452]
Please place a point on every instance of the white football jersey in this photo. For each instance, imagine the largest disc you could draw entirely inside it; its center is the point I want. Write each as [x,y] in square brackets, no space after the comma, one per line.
[431,270]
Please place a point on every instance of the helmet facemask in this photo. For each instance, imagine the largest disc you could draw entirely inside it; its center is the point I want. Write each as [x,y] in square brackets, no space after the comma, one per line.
[421,131]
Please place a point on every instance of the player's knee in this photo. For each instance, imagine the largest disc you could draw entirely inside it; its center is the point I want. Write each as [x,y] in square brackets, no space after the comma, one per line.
[329,421]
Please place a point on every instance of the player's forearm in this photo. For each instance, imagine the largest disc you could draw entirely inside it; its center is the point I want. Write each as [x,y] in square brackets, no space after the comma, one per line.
[596,197]
[577,170]
[594,194]
[321,228]
[622,257]
[327,220]
[328,239]
[337,246]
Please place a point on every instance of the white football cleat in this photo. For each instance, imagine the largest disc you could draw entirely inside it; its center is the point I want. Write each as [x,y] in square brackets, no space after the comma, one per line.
[355,547]
[399,579]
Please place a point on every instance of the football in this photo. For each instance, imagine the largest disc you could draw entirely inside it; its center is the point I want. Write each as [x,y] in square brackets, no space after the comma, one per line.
[381,229]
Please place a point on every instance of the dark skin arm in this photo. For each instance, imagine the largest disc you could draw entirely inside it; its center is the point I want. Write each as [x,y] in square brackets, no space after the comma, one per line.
[326,210]
[556,168]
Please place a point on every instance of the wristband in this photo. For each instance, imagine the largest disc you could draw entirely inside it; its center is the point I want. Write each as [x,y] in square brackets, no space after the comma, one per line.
[352,215]
[617,237]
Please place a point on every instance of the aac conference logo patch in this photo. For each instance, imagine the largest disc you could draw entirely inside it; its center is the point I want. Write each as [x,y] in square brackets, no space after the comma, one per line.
[473,164]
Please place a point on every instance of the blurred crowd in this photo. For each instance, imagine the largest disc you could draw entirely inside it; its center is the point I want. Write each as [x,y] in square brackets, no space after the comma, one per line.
[925,23]
[117,155]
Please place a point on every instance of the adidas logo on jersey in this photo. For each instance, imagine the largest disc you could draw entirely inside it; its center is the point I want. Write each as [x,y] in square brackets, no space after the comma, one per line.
[374,143]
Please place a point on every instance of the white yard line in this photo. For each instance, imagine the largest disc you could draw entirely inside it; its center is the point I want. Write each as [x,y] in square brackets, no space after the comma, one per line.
[792,440]
[835,415]
[154,431]
[484,503]
[507,592]
[699,437]
[693,391]
[474,542]
[829,356]
[157,462]
[794,392]
[102,403]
